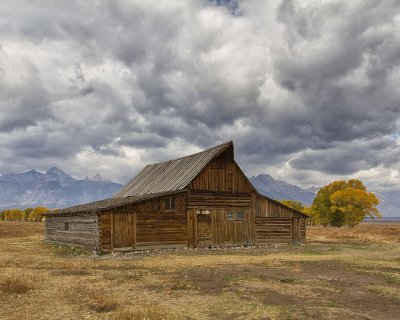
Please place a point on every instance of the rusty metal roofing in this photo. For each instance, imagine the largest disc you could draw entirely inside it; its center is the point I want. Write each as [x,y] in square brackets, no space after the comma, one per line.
[170,175]
[97,206]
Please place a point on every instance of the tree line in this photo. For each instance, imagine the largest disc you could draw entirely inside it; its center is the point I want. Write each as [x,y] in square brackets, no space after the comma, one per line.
[28,214]
[340,203]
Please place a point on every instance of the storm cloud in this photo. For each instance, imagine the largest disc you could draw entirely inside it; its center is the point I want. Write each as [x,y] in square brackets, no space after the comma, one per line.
[308,90]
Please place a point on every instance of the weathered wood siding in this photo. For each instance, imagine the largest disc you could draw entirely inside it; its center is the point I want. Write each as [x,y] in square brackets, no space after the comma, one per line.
[145,224]
[222,174]
[212,208]
[264,207]
[82,230]
[212,228]
[273,230]
[198,199]
[277,223]
[161,230]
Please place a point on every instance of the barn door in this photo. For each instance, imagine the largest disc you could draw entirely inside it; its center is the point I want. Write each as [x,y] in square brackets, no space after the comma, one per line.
[123,228]
[204,231]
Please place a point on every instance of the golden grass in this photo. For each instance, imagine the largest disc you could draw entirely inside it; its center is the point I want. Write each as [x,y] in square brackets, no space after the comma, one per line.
[340,274]
[367,232]
[15,284]
[16,229]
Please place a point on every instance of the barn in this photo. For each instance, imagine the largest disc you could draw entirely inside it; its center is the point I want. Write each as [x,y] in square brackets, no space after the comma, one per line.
[198,201]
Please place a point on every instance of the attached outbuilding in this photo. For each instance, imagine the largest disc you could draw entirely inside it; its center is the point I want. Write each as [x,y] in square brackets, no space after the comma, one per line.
[198,201]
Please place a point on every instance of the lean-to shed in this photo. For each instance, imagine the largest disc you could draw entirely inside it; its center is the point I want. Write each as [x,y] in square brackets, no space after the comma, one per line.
[201,200]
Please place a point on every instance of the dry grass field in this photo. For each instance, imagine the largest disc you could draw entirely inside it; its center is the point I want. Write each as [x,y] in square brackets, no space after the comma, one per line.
[340,274]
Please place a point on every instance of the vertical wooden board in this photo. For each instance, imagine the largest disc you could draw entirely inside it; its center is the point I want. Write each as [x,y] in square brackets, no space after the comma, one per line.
[204,230]
[123,230]
[105,231]
[191,228]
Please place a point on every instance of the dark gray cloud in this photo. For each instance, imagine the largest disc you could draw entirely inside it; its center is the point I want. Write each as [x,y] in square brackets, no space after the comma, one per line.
[308,90]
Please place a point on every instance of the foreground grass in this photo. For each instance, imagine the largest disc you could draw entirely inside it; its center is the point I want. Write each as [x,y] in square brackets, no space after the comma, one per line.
[339,274]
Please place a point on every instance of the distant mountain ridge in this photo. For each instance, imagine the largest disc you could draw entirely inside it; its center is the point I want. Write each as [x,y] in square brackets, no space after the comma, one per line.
[57,189]
[281,190]
[389,205]
[52,189]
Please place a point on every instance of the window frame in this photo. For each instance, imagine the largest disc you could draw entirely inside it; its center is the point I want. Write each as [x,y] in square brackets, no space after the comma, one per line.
[235,215]
[230,216]
[170,203]
[242,214]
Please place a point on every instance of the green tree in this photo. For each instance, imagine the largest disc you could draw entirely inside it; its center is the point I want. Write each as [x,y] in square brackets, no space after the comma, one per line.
[344,202]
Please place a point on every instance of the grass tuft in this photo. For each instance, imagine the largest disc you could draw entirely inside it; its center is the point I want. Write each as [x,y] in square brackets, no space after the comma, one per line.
[16,284]
[142,313]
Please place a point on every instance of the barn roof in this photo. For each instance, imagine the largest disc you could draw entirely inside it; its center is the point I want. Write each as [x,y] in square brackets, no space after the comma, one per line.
[97,206]
[170,175]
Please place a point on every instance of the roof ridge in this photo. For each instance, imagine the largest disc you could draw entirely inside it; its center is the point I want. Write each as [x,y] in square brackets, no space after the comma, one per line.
[172,174]
[192,154]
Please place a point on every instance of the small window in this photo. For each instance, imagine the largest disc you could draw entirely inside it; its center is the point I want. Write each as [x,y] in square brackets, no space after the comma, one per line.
[230,215]
[66,226]
[239,215]
[170,203]
[203,211]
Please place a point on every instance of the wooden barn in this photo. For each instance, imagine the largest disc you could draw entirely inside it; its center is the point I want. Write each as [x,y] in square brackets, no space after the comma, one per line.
[198,201]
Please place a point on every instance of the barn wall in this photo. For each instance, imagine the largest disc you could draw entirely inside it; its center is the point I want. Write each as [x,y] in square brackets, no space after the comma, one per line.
[219,232]
[222,174]
[264,207]
[223,232]
[232,232]
[198,199]
[277,223]
[82,230]
[153,225]
[157,230]
[273,230]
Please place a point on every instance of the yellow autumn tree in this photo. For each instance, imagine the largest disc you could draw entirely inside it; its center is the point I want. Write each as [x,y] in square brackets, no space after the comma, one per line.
[36,214]
[356,204]
[297,205]
[13,215]
[344,203]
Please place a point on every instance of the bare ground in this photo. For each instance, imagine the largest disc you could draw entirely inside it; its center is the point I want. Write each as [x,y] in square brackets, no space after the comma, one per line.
[340,274]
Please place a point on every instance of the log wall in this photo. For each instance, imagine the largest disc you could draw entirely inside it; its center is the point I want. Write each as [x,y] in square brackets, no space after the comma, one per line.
[82,230]
[273,230]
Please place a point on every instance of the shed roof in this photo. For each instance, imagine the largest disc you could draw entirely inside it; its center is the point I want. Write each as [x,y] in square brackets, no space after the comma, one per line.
[170,175]
[97,206]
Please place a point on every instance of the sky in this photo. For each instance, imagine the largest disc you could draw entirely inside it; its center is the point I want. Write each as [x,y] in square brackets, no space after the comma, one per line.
[309,91]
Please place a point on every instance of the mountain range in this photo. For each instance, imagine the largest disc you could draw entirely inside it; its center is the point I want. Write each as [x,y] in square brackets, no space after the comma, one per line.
[57,189]
[52,189]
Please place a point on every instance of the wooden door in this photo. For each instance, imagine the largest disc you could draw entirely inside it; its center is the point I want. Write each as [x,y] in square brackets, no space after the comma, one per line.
[123,230]
[204,231]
